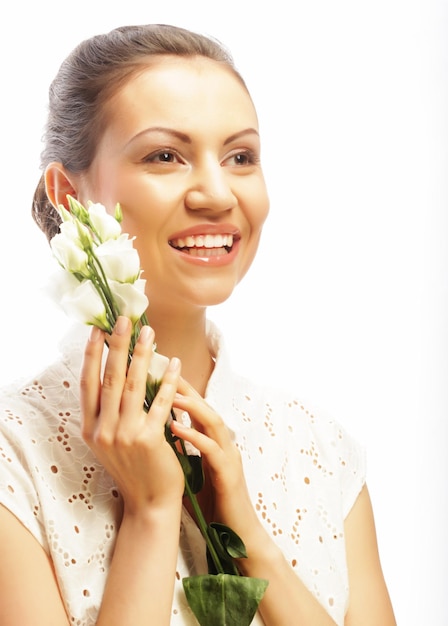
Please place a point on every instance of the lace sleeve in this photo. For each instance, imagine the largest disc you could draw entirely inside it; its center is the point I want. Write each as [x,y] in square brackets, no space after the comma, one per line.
[17,489]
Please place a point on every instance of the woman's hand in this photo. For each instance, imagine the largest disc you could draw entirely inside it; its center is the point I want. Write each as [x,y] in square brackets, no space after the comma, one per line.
[225,497]
[287,600]
[130,443]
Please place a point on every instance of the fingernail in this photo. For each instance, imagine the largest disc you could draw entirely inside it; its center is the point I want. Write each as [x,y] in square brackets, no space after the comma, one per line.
[95,334]
[174,364]
[121,325]
[146,334]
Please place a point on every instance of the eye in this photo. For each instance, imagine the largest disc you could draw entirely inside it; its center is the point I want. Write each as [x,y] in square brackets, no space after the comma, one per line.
[162,156]
[240,159]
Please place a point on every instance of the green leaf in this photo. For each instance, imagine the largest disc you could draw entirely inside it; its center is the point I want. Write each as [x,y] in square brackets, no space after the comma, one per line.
[229,540]
[223,599]
[228,546]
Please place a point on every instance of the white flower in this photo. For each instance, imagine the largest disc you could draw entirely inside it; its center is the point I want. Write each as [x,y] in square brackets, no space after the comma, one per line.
[60,282]
[119,259]
[68,251]
[130,298]
[84,304]
[105,224]
[157,367]
[78,300]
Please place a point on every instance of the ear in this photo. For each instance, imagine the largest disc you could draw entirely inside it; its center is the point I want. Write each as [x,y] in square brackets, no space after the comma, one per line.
[58,184]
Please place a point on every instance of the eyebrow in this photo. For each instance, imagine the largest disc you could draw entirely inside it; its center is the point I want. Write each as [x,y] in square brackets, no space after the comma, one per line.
[186,139]
[241,133]
[162,129]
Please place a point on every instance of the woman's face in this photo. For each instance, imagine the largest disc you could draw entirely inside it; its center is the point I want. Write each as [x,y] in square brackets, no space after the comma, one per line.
[181,154]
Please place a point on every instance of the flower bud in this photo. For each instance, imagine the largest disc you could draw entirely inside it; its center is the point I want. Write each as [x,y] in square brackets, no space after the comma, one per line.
[157,367]
[130,298]
[85,305]
[119,259]
[105,225]
[78,299]
[66,249]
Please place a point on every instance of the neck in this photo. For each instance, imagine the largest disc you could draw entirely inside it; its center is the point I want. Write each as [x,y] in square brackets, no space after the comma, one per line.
[184,336]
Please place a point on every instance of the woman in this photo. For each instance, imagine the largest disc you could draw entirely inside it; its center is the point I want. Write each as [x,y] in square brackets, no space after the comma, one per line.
[158,119]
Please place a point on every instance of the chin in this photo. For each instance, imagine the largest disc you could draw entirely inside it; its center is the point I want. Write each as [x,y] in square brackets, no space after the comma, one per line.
[216,293]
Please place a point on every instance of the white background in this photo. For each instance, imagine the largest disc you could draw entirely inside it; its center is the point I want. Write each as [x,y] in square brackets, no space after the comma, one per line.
[347,301]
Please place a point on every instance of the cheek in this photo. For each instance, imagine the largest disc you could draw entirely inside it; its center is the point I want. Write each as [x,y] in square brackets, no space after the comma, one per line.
[149,204]
[249,256]
[257,198]
[256,220]
[256,214]
[258,211]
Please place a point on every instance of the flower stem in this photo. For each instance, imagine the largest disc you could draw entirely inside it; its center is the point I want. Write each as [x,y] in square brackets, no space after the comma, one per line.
[203,527]
[103,286]
[202,524]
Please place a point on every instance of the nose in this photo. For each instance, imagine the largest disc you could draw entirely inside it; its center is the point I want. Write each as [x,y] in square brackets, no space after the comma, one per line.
[210,189]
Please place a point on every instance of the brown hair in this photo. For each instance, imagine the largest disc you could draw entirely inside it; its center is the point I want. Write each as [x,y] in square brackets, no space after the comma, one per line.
[88,78]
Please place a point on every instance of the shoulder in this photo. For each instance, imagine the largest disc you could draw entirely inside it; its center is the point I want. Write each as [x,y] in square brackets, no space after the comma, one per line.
[44,462]
[39,414]
[36,414]
[280,415]
[50,389]
[284,411]
[43,397]
[286,431]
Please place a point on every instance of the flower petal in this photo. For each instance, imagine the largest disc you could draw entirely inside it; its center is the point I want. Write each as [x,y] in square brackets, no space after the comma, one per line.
[158,367]
[130,298]
[119,259]
[85,305]
[105,224]
[69,254]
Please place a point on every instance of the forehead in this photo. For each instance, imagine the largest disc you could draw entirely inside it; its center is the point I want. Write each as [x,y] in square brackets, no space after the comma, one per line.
[182,89]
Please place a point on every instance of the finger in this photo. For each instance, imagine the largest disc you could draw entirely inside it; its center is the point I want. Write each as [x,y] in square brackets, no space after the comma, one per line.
[204,418]
[162,404]
[202,442]
[191,401]
[186,389]
[217,458]
[90,381]
[133,397]
[222,456]
[114,378]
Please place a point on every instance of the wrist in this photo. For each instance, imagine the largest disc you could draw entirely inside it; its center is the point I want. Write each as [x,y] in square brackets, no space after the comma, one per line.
[262,554]
[150,516]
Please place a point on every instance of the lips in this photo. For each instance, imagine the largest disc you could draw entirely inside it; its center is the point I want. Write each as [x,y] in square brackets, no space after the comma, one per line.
[206,240]
[204,245]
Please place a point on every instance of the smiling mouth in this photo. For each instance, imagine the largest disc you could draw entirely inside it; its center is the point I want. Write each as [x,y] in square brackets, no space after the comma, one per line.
[204,245]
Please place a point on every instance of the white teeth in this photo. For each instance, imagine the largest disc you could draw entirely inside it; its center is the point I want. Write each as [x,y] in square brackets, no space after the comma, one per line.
[205,252]
[204,241]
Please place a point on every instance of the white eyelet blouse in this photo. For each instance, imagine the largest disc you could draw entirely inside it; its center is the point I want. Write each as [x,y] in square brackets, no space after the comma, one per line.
[304,473]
